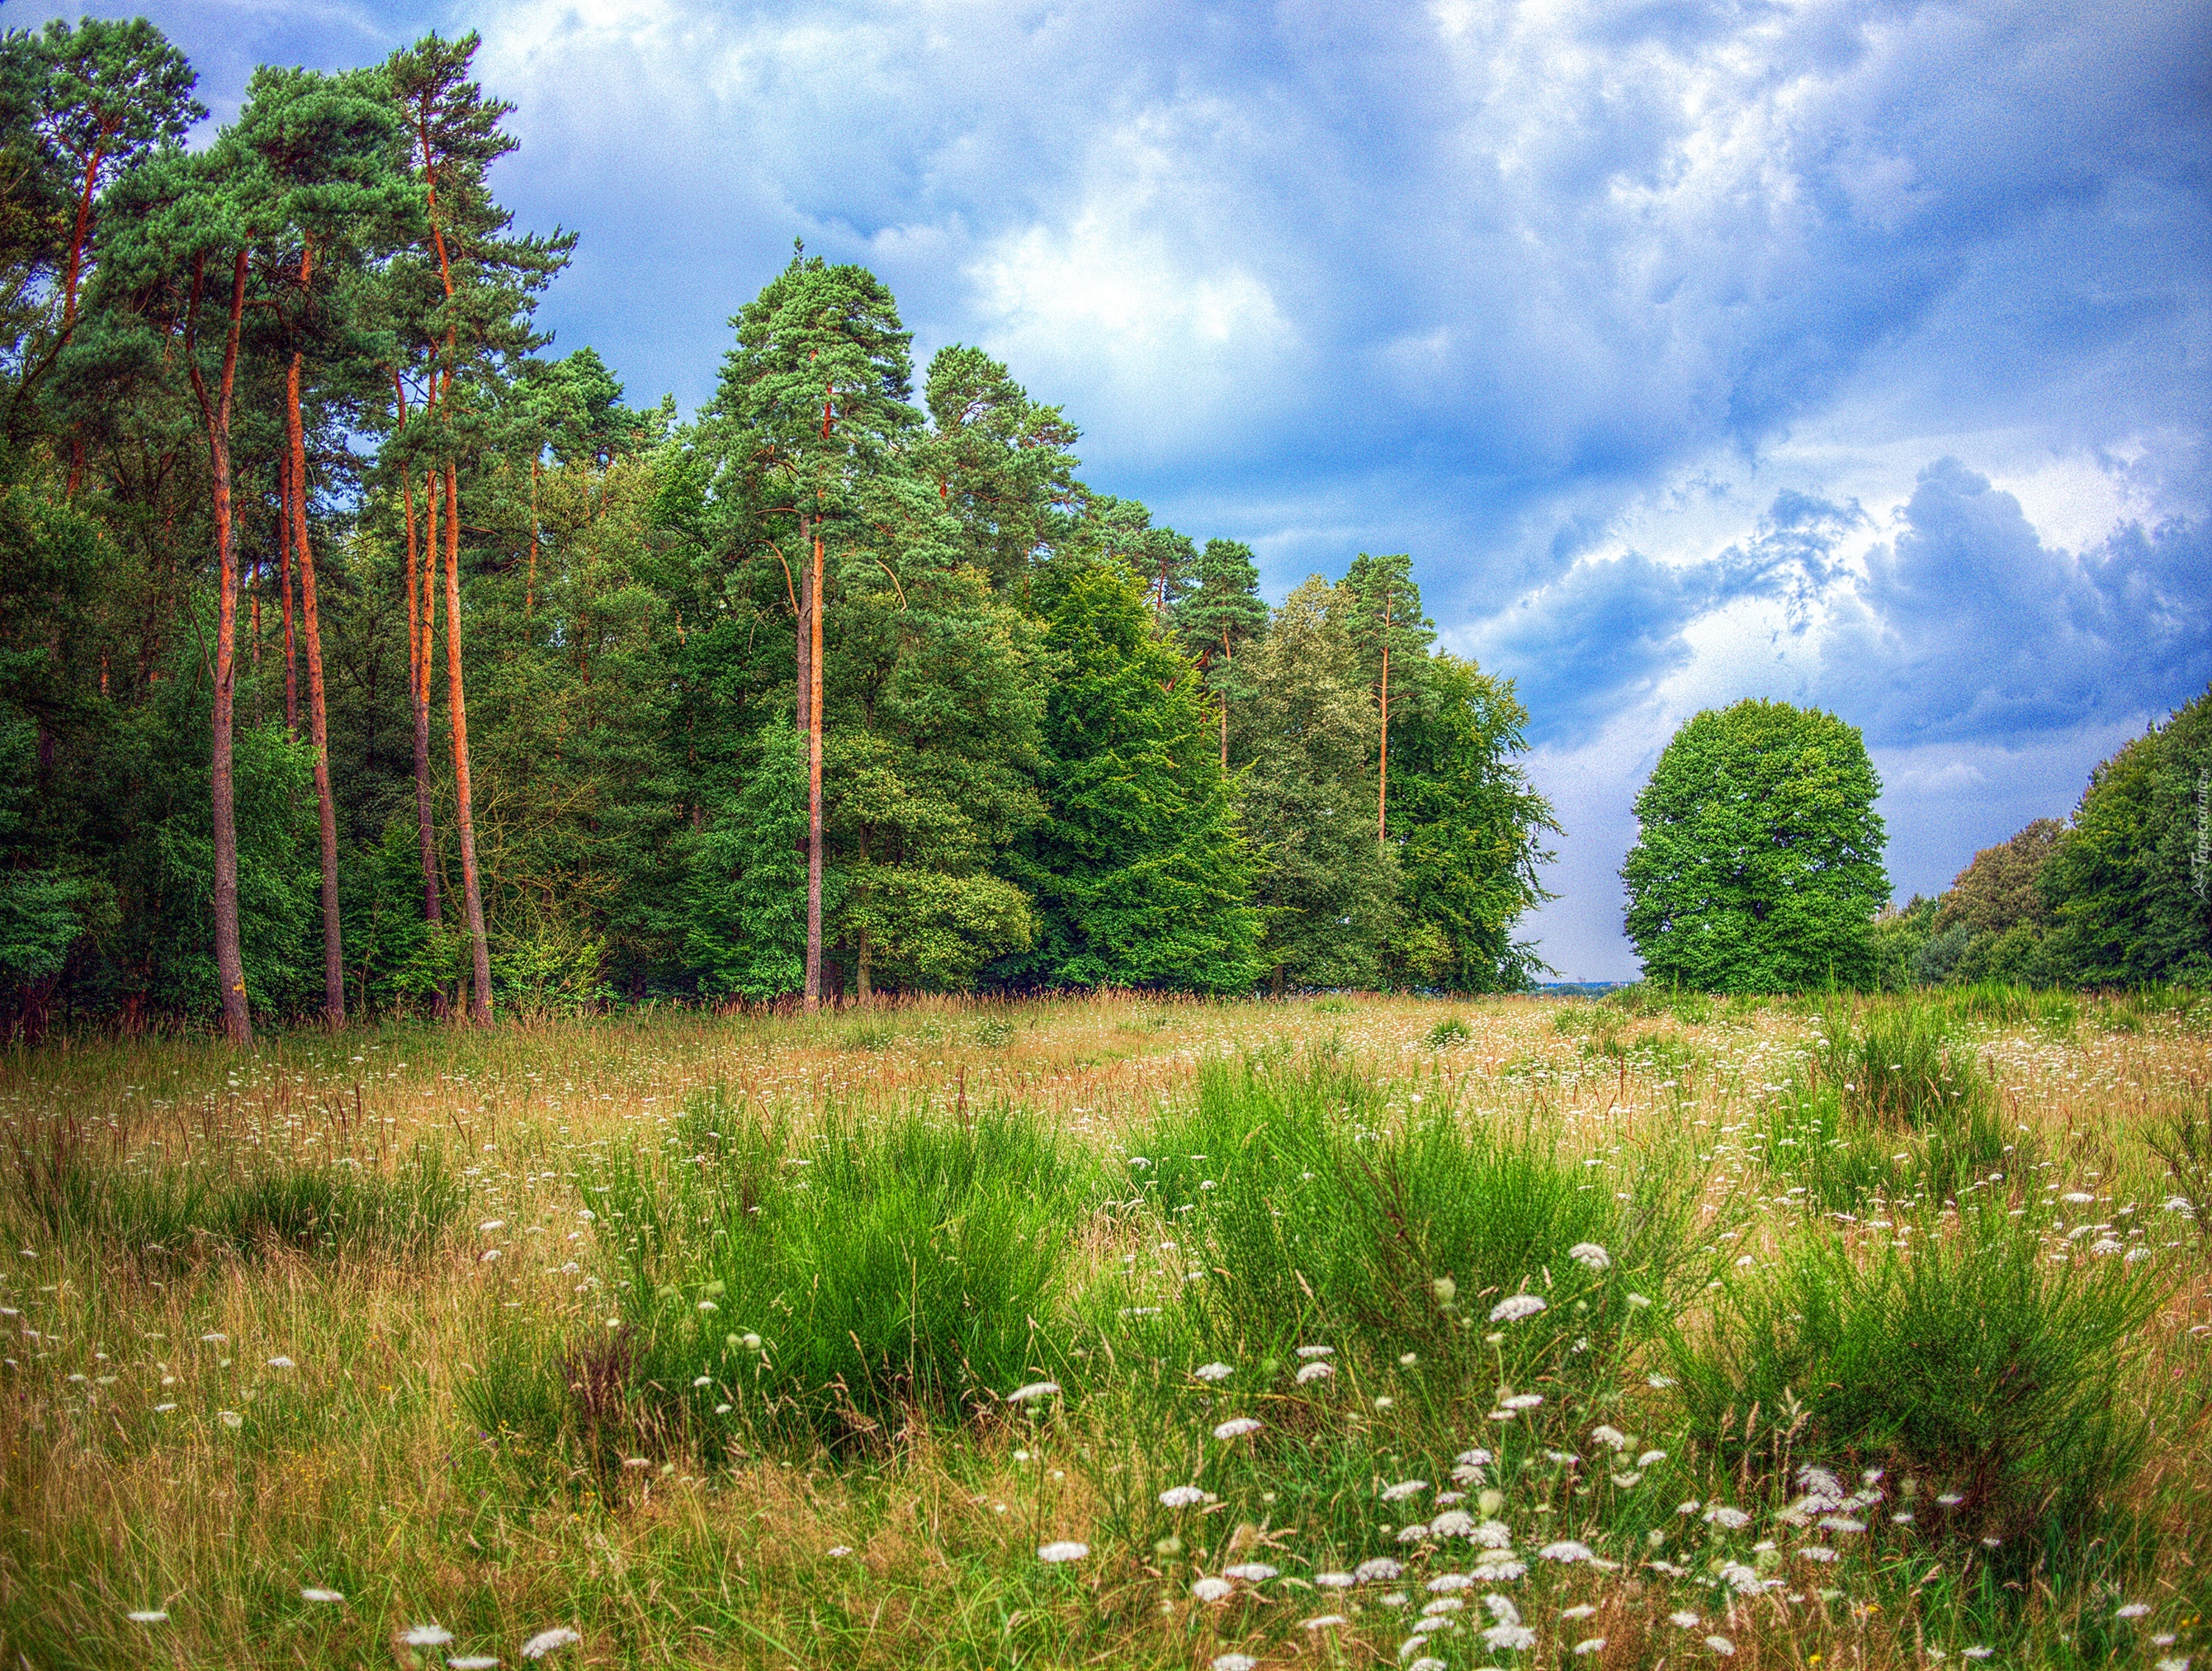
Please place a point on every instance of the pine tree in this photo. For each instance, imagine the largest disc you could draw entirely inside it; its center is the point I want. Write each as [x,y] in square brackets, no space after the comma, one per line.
[1140,872]
[811,397]
[1221,615]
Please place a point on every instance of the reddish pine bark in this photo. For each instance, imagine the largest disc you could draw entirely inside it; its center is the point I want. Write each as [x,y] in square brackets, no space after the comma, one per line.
[318,723]
[464,820]
[230,967]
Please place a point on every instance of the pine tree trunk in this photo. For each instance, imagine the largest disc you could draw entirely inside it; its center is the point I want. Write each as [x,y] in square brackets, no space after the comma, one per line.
[284,585]
[318,721]
[814,784]
[230,966]
[464,816]
[530,581]
[1383,780]
[418,703]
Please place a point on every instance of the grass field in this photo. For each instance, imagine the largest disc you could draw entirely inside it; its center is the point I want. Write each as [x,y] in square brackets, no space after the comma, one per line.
[1127,1331]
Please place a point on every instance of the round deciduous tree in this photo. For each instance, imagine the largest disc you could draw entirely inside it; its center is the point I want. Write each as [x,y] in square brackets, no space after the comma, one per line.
[1759,864]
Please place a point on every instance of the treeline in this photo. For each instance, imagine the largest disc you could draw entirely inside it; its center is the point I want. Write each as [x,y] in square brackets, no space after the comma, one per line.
[2120,894]
[356,654]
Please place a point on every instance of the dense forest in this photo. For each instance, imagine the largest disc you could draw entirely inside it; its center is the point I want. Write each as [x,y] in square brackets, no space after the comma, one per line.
[360,654]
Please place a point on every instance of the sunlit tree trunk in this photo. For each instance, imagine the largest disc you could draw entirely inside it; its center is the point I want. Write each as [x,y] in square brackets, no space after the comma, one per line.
[318,719]
[284,590]
[457,715]
[230,966]
[814,784]
[421,612]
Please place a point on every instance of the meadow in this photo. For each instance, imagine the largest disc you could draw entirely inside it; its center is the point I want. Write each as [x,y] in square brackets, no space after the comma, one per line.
[1126,1331]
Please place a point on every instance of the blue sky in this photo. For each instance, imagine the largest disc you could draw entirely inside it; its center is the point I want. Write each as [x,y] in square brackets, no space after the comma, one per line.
[1856,354]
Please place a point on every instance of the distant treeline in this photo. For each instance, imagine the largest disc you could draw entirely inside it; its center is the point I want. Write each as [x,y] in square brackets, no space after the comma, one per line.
[355,655]
[2118,895]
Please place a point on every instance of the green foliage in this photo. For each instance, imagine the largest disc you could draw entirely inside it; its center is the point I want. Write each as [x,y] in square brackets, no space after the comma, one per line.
[1140,871]
[1312,1214]
[747,885]
[1449,1032]
[891,1272]
[2129,886]
[1469,833]
[1757,867]
[1972,1364]
[1326,887]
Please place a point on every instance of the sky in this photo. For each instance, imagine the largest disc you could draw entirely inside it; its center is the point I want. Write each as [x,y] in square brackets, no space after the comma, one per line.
[1855,353]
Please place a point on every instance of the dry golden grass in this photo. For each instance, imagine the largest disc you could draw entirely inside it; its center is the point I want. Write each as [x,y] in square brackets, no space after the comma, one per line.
[357,1468]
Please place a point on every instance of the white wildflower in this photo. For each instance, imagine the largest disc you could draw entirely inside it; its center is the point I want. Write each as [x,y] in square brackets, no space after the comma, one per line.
[312,1595]
[1212,1589]
[1212,1372]
[1403,1489]
[1315,1372]
[281,1363]
[1333,1581]
[1686,1620]
[1979,1651]
[1727,1519]
[1448,1584]
[1252,1572]
[1377,1569]
[1521,1401]
[1452,1523]
[1611,1437]
[1591,1257]
[1183,1496]
[2132,1610]
[1036,1389]
[1721,1645]
[1054,1553]
[1566,1550]
[546,1641]
[1233,1662]
[1517,1307]
[1590,1645]
[149,1616]
[1316,1351]
[1236,1427]
[427,1636]
[1323,1621]
[1584,1611]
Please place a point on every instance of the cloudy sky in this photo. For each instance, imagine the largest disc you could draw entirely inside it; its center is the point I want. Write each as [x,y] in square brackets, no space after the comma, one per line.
[1855,352]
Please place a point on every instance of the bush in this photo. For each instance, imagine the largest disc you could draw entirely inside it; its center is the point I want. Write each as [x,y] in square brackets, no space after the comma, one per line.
[1318,1217]
[1450,1031]
[845,1284]
[1970,1364]
[1887,1108]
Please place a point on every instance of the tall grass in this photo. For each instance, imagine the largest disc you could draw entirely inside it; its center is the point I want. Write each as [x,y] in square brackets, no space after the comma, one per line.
[1888,1107]
[838,1285]
[1980,1374]
[1306,1211]
[151,1214]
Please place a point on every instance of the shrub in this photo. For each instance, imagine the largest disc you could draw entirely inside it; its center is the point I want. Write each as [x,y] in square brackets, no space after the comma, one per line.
[1970,1363]
[844,1284]
[1450,1031]
[1317,1217]
[1887,1108]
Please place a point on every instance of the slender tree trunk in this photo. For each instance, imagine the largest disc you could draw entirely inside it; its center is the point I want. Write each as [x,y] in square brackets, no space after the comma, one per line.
[425,788]
[1225,659]
[318,720]
[1383,780]
[464,815]
[77,239]
[805,602]
[230,966]
[285,584]
[867,993]
[418,703]
[529,580]
[814,784]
